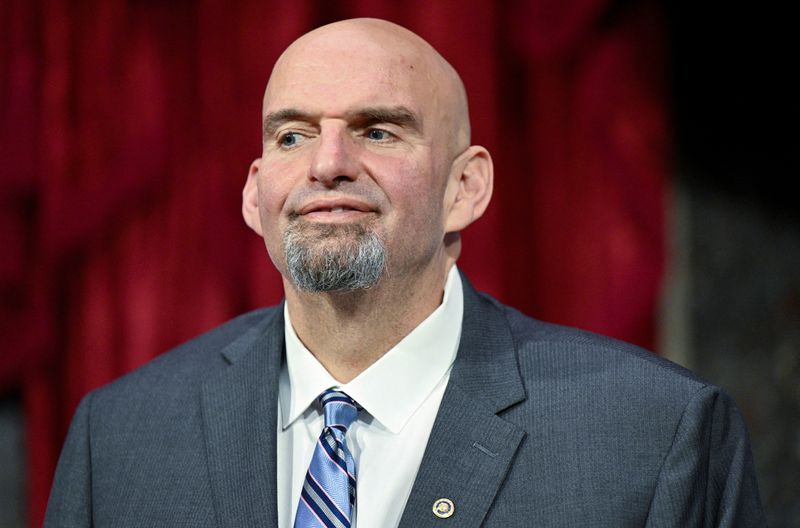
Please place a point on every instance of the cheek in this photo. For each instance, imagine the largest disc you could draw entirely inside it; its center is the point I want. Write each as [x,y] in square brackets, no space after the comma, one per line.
[273,188]
[415,193]
[425,188]
[272,193]
[404,179]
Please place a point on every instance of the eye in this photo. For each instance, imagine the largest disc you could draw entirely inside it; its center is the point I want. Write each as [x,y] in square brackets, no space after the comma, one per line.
[290,139]
[376,134]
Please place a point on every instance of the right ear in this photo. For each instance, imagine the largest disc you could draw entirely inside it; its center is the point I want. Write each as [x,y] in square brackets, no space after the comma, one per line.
[250,199]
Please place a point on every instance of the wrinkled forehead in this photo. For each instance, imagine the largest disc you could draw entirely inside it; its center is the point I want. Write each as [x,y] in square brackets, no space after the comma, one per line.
[346,65]
[371,60]
[346,73]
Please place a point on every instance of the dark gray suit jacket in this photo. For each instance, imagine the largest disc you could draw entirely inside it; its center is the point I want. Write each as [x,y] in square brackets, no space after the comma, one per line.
[539,426]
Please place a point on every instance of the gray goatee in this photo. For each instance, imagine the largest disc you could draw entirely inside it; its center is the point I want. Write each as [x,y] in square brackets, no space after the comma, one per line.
[327,258]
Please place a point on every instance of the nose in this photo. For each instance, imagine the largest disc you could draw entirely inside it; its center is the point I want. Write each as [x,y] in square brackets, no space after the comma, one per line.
[333,158]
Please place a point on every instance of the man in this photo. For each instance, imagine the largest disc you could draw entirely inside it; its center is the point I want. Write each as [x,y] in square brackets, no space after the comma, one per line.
[447,407]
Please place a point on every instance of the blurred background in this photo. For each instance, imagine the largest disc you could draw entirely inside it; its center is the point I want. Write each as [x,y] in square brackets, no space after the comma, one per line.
[645,155]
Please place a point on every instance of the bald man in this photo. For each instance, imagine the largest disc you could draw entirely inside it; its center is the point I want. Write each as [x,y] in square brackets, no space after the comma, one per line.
[385,391]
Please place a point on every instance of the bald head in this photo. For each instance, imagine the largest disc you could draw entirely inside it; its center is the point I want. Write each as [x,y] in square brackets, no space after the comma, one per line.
[378,47]
[366,151]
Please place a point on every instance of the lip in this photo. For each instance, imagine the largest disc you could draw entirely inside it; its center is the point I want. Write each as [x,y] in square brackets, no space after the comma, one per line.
[336,206]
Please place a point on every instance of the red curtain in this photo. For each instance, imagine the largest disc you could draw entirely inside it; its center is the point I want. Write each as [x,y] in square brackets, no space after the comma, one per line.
[127,128]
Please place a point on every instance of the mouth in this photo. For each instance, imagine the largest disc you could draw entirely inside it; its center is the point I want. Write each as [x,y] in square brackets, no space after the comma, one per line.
[329,210]
[332,210]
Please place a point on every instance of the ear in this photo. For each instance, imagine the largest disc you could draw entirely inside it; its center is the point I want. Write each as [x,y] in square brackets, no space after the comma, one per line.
[250,199]
[469,188]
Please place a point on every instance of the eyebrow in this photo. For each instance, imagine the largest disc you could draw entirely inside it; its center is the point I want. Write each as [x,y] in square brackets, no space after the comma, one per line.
[396,115]
[363,117]
[274,120]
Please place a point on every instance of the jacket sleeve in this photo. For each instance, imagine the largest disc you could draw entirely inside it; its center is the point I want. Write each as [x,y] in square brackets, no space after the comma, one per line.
[70,501]
[708,478]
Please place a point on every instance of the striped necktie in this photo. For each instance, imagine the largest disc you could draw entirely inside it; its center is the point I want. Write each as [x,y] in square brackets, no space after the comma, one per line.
[329,490]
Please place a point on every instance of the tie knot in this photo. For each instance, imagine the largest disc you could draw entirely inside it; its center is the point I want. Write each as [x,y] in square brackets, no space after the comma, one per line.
[339,408]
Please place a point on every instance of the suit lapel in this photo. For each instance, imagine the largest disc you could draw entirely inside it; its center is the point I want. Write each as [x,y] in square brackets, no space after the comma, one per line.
[470,448]
[240,420]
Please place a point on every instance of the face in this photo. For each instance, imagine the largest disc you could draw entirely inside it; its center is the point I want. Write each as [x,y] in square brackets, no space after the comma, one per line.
[356,148]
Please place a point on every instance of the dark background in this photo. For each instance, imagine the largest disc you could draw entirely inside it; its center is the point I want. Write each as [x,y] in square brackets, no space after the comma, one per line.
[735,109]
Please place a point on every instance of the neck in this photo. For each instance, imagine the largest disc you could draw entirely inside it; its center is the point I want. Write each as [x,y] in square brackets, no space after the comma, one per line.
[348,331]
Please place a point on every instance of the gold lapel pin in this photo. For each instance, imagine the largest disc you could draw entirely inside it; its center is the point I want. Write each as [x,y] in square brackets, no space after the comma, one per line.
[443,508]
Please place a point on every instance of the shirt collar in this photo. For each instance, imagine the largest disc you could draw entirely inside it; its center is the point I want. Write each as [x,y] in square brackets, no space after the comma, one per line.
[412,368]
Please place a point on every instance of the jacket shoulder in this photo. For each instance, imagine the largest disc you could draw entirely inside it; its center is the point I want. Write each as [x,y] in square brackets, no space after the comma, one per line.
[620,436]
[547,349]
[193,361]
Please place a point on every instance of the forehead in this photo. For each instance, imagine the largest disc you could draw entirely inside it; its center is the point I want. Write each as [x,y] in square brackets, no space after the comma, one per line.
[331,75]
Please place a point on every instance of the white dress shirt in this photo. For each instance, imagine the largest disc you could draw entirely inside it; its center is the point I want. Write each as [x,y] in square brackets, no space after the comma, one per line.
[400,394]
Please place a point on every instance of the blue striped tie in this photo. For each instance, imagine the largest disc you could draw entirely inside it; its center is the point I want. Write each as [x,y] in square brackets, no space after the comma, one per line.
[329,490]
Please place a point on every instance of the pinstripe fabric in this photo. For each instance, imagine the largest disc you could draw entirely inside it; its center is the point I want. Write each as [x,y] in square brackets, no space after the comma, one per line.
[329,490]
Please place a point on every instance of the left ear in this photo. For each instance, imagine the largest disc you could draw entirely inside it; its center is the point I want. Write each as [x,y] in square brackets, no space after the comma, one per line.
[469,188]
